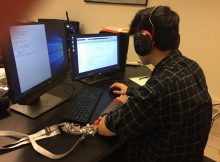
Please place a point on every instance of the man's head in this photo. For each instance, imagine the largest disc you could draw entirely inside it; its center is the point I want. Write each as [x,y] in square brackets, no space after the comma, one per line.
[155,27]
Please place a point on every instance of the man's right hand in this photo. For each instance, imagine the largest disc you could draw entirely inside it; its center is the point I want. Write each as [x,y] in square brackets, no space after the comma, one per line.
[119,88]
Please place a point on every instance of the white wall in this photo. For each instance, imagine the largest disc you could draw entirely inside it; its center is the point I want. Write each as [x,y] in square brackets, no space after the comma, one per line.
[199,27]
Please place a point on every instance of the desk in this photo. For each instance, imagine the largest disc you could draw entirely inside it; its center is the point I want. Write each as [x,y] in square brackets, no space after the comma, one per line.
[92,149]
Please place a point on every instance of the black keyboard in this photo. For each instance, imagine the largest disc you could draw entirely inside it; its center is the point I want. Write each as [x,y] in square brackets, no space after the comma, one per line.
[83,105]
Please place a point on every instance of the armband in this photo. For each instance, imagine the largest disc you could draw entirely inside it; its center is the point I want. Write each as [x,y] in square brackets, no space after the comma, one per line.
[97,121]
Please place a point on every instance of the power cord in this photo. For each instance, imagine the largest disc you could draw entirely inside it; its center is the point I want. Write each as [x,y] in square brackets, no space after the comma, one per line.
[217,104]
[81,28]
[214,118]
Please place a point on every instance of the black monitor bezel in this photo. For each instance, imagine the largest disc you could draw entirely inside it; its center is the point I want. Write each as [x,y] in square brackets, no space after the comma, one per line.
[74,60]
[35,92]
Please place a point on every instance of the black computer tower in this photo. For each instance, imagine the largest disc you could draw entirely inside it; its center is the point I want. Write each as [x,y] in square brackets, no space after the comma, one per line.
[72,27]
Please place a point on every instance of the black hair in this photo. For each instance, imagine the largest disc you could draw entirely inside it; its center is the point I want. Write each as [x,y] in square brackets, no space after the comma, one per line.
[165,23]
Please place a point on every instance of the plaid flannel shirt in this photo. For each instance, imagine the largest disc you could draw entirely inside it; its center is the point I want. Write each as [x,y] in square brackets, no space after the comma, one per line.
[169,118]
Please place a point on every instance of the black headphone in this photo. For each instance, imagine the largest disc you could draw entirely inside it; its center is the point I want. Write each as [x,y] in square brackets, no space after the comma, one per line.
[143,40]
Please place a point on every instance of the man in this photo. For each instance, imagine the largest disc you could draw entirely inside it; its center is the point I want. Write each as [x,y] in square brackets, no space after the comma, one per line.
[169,118]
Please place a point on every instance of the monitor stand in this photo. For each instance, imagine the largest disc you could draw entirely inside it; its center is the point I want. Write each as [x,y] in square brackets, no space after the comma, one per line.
[45,103]
[95,79]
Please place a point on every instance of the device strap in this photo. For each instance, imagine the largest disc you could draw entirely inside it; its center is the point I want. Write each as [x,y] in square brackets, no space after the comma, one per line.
[48,132]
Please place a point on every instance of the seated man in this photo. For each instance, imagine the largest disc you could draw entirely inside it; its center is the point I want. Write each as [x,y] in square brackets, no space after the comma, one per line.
[169,118]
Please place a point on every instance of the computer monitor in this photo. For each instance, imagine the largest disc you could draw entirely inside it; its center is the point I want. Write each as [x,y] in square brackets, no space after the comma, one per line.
[124,42]
[35,61]
[94,55]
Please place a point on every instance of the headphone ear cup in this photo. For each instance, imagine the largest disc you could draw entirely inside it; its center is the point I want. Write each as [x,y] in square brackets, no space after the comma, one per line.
[143,43]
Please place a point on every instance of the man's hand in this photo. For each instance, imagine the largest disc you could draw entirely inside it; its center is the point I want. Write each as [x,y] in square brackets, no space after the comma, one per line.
[121,88]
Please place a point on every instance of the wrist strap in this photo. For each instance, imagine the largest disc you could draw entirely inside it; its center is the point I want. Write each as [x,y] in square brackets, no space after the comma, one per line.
[48,132]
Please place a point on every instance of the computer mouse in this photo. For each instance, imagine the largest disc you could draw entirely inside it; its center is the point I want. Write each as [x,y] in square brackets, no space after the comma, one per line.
[111,90]
[114,95]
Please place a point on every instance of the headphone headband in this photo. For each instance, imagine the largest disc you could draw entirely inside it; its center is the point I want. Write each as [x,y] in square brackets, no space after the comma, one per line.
[143,39]
[149,18]
[151,13]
